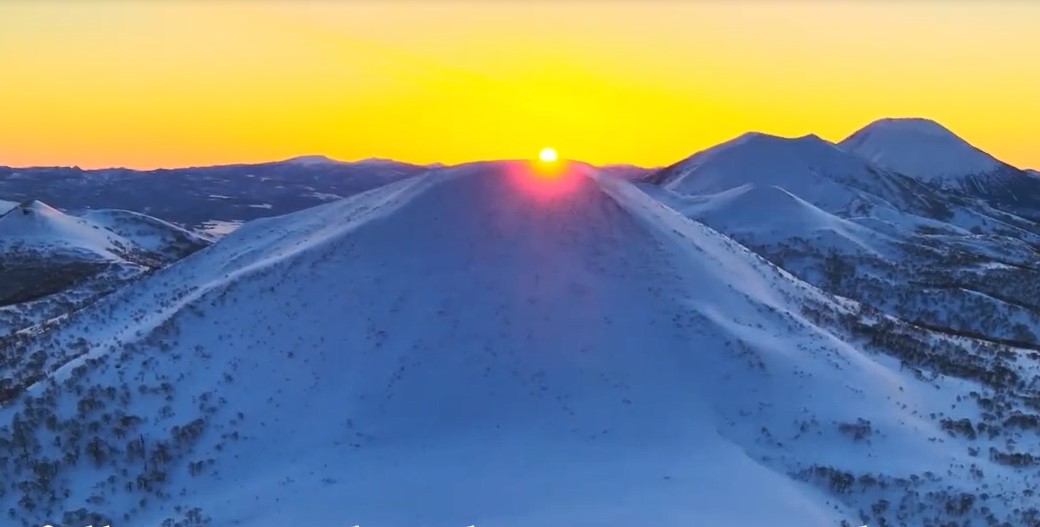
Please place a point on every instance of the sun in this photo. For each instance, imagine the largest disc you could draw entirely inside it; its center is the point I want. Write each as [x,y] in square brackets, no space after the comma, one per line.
[547,155]
[548,167]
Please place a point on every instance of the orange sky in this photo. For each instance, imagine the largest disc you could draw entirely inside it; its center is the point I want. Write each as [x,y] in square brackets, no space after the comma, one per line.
[150,83]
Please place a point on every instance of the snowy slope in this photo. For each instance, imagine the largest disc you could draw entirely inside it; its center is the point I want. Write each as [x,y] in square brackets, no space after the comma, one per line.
[52,263]
[106,235]
[1034,173]
[762,160]
[808,167]
[152,234]
[905,265]
[6,206]
[838,221]
[35,225]
[771,214]
[625,171]
[478,345]
[925,150]
[920,148]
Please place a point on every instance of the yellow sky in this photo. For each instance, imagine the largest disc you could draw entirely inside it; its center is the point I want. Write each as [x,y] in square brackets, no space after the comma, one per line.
[151,83]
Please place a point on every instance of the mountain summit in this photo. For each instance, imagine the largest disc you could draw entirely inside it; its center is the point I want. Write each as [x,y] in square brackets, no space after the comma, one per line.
[921,148]
[312,159]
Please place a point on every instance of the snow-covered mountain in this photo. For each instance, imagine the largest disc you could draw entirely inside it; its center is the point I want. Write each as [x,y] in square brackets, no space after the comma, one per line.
[921,148]
[761,159]
[809,167]
[159,237]
[926,150]
[488,345]
[312,160]
[844,224]
[52,262]
[217,197]
[36,226]
[48,258]
[113,236]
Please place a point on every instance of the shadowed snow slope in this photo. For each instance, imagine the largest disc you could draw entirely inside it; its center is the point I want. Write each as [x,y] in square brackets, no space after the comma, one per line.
[771,214]
[151,234]
[35,225]
[478,345]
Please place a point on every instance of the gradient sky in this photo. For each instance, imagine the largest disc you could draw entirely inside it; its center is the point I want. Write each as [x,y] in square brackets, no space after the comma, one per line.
[150,83]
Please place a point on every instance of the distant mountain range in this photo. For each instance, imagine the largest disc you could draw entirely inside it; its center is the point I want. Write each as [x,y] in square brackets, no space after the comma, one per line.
[914,148]
[204,197]
[774,331]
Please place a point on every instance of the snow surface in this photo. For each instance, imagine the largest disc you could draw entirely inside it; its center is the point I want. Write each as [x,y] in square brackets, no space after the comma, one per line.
[147,232]
[920,148]
[809,167]
[485,345]
[819,175]
[36,225]
[770,214]
[55,263]
[217,228]
[325,196]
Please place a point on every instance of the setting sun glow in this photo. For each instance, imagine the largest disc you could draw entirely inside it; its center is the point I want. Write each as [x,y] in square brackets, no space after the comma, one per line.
[153,83]
[547,155]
